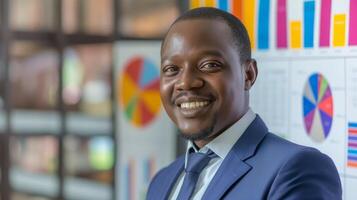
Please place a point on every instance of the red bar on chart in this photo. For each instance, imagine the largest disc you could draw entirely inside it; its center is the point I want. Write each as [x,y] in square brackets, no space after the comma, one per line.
[130,180]
[353,23]
[325,23]
[237,8]
[281,28]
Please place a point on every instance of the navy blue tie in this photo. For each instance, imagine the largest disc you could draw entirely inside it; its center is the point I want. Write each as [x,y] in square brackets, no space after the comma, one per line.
[195,164]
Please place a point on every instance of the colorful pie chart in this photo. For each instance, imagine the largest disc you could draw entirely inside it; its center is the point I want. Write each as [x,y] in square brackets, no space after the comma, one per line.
[318,107]
[139,91]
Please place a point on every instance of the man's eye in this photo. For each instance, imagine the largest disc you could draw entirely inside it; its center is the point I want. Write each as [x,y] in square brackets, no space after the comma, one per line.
[170,70]
[211,66]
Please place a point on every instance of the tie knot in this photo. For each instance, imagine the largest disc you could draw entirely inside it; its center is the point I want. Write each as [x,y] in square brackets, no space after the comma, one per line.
[197,161]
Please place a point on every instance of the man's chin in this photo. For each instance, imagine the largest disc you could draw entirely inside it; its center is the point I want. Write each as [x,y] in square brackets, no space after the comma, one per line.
[200,135]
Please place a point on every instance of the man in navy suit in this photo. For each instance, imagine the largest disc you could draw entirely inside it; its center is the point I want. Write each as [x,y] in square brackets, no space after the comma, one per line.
[206,74]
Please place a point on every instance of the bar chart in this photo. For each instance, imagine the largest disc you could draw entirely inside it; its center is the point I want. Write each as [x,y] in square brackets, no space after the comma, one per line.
[299,24]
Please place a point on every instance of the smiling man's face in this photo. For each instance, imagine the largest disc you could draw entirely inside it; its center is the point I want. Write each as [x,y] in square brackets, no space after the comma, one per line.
[202,81]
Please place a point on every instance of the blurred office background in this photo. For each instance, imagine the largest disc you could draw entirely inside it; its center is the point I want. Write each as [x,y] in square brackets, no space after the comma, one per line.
[59,121]
[80,113]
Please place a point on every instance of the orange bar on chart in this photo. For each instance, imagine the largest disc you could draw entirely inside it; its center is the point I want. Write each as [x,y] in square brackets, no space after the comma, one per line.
[295,34]
[210,3]
[352,164]
[195,4]
[237,8]
[339,30]
[248,19]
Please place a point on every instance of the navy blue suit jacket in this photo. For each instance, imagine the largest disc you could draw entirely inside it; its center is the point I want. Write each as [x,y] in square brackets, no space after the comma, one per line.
[262,166]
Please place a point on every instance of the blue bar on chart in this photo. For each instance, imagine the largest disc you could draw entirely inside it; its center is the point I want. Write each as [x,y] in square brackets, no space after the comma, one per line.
[148,169]
[309,20]
[263,24]
[223,5]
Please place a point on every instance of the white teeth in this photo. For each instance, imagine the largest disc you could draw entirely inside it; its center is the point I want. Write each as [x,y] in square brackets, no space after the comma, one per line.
[194,105]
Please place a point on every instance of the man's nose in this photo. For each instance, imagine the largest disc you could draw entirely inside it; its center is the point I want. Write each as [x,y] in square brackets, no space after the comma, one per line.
[189,80]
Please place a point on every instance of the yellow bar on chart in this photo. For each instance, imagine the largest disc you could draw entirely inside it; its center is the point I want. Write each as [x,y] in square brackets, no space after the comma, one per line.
[339,30]
[210,3]
[195,4]
[295,34]
[248,19]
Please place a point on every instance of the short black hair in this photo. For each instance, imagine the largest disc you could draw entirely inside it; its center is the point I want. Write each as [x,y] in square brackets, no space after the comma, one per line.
[239,32]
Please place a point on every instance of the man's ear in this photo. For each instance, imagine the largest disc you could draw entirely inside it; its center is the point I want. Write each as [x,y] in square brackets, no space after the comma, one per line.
[251,73]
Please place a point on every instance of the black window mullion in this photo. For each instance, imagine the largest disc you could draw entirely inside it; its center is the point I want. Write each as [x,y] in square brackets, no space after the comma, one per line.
[60,41]
[114,133]
[4,141]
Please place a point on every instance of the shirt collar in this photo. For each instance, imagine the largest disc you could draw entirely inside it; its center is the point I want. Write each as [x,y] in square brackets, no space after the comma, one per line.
[222,144]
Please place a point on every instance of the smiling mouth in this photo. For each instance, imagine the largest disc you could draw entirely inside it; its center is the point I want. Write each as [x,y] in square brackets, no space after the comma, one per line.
[194,105]
[194,109]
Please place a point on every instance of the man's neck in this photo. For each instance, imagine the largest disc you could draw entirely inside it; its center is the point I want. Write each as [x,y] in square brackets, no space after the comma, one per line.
[201,143]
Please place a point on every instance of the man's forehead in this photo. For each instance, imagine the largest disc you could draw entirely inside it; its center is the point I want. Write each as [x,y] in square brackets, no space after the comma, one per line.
[202,23]
[196,31]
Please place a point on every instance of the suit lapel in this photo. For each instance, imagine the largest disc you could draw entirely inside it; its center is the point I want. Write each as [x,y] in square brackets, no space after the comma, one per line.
[171,176]
[231,170]
[233,166]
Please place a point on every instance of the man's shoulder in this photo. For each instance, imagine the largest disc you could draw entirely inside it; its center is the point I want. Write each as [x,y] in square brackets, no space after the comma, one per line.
[295,170]
[165,177]
[281,145]
[298,166]
[284,150]
[173,167]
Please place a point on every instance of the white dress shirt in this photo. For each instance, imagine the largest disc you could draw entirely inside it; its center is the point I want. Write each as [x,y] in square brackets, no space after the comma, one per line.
[221,146]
